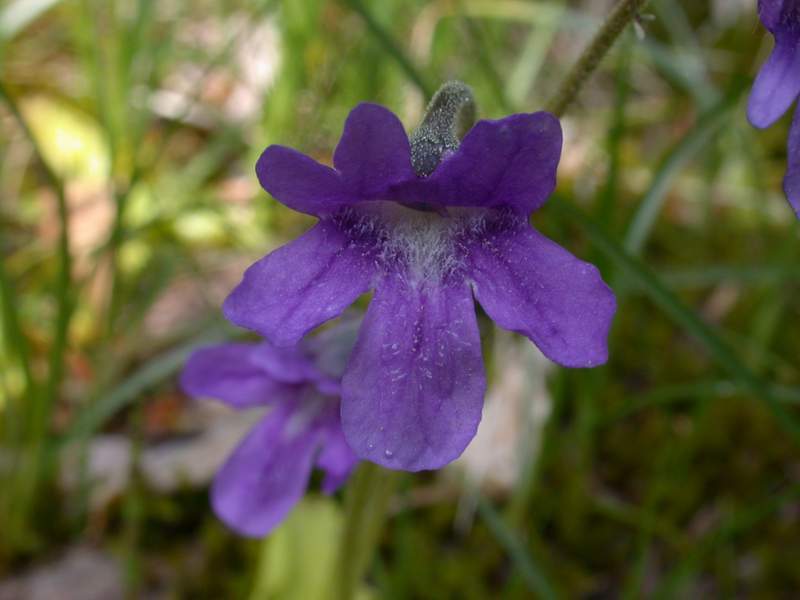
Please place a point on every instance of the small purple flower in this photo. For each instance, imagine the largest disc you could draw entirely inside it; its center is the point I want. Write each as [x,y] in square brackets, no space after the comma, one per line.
[269,471]
[777,85]
[413,389]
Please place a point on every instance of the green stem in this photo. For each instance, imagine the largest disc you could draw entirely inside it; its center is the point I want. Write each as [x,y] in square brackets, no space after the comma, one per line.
[623,13]
[532,574]
[113,245]
[33,470]
[64,278]
[366,503]
[16,341]
[392,47]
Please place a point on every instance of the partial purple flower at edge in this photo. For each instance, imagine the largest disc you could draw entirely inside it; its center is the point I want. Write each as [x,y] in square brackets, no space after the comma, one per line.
[268,472]
[412,392]
[777,85]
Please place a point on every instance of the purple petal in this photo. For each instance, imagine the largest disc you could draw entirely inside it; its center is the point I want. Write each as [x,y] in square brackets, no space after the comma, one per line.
[413,391]
[791,183]
[300,182]
[265,476]
[778,82]
[336,458]
[287,364]
[529,284]
[300,285]
[229,373]
[373,152]
[510,162]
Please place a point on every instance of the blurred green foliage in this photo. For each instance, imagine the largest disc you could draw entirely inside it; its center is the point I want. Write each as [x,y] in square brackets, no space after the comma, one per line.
[128,208]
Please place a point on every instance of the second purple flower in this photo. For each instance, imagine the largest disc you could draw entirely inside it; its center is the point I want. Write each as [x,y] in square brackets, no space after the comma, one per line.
[269,471]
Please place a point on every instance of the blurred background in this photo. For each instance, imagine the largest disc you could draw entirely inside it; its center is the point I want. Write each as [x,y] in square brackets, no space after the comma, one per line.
[129,209]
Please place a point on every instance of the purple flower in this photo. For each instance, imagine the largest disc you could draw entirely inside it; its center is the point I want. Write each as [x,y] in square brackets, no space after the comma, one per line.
[777,85]
[269,471]
[412,391]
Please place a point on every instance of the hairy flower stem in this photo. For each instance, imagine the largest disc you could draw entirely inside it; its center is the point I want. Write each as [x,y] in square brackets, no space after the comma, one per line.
[366,503]
[623,13]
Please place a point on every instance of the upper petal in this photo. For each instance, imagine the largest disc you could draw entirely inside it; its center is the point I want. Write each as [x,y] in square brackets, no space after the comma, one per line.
[230,373]
[301,285]
[300,182]
[529,284]
[791,183]
[266,475]
[373,152]
[778,82]
[413,390]
[511,162]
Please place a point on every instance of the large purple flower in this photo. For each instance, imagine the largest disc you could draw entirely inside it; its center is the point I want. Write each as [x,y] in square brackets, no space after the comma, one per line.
[777,85]
[412,392]
[268,473]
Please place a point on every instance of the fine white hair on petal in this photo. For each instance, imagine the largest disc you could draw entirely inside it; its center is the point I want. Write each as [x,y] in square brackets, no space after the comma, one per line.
[423,246]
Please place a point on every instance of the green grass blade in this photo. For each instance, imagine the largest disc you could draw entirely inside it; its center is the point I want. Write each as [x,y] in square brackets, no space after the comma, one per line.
[532,57]
[681,154]
[63,284]
[616,132]
[487,65]
[16,341]
[532,574]
[392,47]
[38,460]
[682,393]
[711,275]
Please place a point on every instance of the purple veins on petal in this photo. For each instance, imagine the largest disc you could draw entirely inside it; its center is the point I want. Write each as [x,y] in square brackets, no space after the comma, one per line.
[301,285]
[413,391]
[529,284]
